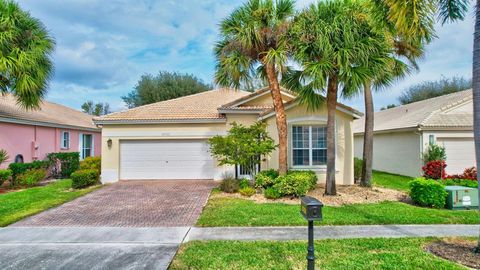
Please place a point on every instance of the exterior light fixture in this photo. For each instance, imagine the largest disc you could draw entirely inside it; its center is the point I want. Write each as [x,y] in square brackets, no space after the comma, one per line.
[109,143]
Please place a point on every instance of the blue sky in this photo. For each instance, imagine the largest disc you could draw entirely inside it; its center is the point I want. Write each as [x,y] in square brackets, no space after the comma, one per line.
[103,47]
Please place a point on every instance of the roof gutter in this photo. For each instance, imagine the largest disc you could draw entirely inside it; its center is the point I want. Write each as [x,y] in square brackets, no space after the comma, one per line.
[45,124]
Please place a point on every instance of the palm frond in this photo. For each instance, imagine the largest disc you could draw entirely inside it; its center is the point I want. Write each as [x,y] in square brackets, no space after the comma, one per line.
[452,10]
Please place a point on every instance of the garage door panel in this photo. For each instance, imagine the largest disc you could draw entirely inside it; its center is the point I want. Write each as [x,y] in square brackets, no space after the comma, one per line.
[460,153]
[165,159]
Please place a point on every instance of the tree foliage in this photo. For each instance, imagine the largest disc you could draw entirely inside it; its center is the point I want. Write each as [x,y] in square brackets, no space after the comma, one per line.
[96,108]
[243,145]
[435,88]
[163,86]
[25,50]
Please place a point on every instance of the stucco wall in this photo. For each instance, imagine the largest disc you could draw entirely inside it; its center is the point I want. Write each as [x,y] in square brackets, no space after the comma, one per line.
[35,142]
[117,133]
[398,152]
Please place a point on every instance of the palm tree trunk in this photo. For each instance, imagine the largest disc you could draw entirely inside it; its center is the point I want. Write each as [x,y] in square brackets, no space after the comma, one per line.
[476,98]
[281,117]
[332,89]
[367,137]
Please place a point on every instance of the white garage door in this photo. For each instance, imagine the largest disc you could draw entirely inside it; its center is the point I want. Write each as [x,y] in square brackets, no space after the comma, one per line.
[165,159]
[460,153]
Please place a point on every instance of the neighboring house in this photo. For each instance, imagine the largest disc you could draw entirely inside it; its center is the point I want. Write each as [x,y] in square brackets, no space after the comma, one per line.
[31,134]
[402,134]
[168,139]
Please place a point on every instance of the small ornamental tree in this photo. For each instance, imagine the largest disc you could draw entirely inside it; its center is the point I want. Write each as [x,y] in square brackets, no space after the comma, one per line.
[434,152]
[243,145]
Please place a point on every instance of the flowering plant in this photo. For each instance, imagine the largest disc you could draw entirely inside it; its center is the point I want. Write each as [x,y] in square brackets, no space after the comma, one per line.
[434,169]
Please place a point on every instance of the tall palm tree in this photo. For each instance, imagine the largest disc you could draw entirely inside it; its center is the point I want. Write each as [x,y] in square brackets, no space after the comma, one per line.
[254,44]
[25,49]
[338,52]
[404,48]
[407,20]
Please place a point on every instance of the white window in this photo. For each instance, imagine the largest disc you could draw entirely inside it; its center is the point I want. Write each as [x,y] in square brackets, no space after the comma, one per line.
[309,145]
[65,142]
[86,145]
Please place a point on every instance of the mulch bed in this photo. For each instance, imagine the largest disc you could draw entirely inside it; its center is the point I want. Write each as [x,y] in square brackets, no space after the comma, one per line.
[457,250]
[345,195]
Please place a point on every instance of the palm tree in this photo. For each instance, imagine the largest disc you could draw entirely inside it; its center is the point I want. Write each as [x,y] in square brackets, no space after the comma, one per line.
[339,51]
[253,44]
[25,47]
[408,18]
[404,47]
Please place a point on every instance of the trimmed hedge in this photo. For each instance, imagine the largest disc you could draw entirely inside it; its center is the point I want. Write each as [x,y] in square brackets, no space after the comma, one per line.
[429,193]
[19,168]
[94,163]
[460,182]
[4,176]
[84,178]
[65,163]
[31,177]
[296,183]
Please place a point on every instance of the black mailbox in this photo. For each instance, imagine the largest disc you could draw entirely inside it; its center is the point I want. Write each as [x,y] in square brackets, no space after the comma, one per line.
[311,208]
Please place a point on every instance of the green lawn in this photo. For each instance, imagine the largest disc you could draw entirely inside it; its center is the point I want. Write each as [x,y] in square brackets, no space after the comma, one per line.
[17,205]
[393,181]
[239,212]
[379,253]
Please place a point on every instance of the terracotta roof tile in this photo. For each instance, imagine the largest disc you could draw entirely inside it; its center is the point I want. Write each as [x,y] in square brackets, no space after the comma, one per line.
[203,105]
[49,113]
[429,113]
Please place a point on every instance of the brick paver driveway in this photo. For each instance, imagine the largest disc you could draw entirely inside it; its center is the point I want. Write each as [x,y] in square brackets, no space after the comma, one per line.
[164,203]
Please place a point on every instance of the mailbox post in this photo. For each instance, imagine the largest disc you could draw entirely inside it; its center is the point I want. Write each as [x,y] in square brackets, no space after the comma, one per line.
[311,210]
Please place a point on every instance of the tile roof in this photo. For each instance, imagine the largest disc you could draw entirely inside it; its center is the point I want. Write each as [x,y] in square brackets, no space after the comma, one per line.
[203,105]
[427,113]
[49,113]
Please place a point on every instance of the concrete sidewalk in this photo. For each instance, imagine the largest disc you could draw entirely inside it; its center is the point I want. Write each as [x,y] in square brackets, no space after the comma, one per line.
[154,248]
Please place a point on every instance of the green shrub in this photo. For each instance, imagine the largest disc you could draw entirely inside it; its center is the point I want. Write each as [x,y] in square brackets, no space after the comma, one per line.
[64,163]
[94,163]
[230,185]
[31,177]
[272,193]
[357,168]
[460,182]
[292,185]
[266,178]
[429,193]
[434,152]
[84,178]
[309,176]
[247,191]
[244,183]
[20,168]
[4,176]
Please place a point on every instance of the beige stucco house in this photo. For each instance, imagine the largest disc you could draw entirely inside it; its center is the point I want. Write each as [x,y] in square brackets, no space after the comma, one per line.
[403,133]
[168,140]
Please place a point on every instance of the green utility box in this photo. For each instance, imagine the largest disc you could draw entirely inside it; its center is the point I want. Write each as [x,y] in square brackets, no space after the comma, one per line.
[461,197]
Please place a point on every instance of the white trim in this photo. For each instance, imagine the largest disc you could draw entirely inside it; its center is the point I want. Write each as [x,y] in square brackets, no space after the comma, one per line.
[157,121]
[62,139]
[338,108]
[160,133]
[306,119]
[80,145]
[240,111]
[45,124]
[253,97]
[92,150]
[310,146]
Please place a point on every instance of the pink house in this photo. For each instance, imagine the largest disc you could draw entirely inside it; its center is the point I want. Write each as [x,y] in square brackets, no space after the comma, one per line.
[31,135]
